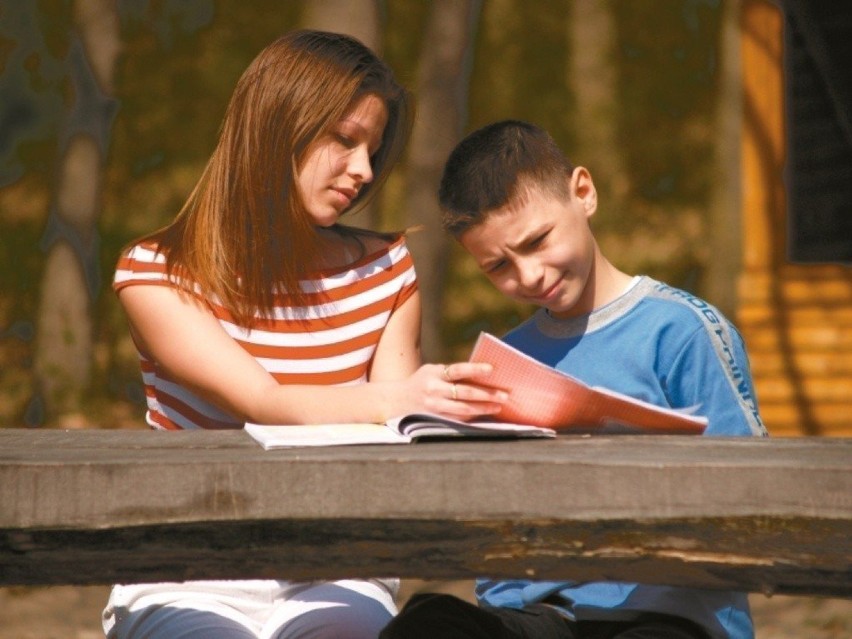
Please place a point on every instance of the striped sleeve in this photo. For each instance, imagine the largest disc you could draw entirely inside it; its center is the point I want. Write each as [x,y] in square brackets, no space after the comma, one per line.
[141,264]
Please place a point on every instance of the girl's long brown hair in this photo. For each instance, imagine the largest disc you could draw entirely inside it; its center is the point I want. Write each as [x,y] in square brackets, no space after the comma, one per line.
[244,234]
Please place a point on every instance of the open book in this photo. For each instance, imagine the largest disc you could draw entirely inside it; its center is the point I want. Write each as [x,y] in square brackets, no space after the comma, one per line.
[401,430]
[543,396]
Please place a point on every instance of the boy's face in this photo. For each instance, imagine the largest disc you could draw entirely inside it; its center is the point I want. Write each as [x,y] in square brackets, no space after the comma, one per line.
[539,248]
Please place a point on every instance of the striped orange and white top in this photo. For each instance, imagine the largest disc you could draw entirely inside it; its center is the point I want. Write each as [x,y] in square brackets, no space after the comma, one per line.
[329,341]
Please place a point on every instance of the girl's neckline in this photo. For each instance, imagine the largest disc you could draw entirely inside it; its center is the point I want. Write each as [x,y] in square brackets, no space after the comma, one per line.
[352,251]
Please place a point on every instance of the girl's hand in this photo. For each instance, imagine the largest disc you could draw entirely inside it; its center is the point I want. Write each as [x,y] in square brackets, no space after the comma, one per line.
[459,390]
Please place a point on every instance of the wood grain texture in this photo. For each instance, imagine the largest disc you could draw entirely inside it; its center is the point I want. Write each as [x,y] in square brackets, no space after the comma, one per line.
[88,507]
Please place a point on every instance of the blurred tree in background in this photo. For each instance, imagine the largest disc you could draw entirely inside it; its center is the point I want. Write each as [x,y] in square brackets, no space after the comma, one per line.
[629,89]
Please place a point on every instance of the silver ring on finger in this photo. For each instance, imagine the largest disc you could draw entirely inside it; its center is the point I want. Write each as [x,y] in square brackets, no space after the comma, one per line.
[455,392]
[447,374]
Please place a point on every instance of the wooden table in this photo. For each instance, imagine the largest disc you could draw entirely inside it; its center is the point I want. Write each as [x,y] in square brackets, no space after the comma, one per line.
[106,506]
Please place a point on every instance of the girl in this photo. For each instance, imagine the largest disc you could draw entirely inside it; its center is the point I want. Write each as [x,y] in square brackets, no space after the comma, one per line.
[256,305]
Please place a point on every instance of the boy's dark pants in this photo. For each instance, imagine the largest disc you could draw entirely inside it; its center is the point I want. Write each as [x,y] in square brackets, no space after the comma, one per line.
[439,616]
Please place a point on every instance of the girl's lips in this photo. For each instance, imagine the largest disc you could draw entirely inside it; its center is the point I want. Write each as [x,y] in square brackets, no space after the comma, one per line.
[346,194]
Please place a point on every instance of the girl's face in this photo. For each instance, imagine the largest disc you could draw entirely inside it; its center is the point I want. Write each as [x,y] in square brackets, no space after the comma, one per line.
[339,163]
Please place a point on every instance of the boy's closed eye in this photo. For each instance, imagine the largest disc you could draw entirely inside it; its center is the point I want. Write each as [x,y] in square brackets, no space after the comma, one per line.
[495,267]
[524,247]
[538,240]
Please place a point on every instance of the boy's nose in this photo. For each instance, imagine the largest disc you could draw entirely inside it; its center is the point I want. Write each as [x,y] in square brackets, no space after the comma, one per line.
[529,273]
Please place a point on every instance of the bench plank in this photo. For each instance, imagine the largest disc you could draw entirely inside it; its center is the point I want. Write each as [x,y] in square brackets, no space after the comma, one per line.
[107,506]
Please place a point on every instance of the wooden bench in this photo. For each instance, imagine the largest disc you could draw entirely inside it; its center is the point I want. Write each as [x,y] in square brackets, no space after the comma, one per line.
[105,506]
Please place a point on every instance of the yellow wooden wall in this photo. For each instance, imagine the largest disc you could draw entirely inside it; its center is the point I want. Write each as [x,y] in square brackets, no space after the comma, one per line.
[796,319]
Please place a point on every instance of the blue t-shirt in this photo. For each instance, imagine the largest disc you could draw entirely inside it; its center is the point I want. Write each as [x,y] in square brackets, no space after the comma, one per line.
[670,348]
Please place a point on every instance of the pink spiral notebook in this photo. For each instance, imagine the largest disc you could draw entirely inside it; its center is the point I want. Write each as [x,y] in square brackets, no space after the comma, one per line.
[543,396]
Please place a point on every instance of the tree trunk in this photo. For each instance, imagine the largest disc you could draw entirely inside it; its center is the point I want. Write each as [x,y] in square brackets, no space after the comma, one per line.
[361,19]
[70,281]
[592,72]
[723,269]
[442,108]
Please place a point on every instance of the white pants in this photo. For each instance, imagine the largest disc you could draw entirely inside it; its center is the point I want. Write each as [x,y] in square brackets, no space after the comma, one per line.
[256,609]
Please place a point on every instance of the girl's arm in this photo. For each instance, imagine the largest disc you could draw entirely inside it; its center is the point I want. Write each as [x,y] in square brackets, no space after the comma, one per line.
[398,352]
[182,335]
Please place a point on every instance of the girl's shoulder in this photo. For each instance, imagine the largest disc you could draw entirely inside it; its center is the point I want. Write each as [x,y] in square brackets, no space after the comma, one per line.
[144,262]
[143,253]
[144,249]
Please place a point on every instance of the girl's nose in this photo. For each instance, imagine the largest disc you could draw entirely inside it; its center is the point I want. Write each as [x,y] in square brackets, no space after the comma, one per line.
[360,166]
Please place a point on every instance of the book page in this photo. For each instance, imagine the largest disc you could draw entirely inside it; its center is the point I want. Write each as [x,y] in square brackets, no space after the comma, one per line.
[323,435]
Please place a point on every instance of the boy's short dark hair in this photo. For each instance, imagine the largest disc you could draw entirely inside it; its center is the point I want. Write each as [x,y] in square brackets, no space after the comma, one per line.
[488,167]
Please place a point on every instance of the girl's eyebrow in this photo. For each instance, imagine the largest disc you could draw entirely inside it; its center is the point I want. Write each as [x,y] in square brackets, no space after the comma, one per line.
[374,145]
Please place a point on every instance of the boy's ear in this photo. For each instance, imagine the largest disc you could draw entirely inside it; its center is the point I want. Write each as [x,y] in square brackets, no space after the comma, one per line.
[583,189]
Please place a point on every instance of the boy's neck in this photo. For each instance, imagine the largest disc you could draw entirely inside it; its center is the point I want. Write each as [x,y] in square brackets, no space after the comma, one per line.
[610,283]
[605,284]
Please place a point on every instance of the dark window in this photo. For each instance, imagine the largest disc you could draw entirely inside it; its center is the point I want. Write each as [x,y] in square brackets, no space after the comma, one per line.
[818,73]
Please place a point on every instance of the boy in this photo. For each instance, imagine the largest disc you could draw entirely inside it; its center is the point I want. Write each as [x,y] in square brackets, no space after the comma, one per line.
[522,210]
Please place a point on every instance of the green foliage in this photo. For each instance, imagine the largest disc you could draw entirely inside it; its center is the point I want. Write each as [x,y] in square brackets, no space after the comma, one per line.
[20,271]
[403,37]
[667,74]
[174,85]
[520,67]
[33,46]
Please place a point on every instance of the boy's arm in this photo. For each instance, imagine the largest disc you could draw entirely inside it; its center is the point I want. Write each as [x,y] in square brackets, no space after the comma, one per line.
[712,373]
